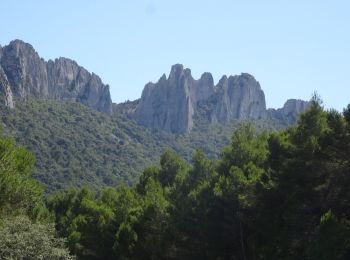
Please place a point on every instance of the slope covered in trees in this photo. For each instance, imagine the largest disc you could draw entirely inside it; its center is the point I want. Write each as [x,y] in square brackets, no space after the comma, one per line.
[281,195]
[26,228]
[75,145]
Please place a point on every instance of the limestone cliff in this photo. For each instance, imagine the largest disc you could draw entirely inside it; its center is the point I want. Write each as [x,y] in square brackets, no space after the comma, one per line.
[5,90]
[171,103]
[24,74]
[290,110]
[238,97]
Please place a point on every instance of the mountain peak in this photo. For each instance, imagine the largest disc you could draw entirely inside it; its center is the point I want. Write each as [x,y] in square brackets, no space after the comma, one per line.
[20,43]
[170,104]
[177,71]
[290,110]
[247,76]
[25,74]
[20,48]
[176,68]
[206,76]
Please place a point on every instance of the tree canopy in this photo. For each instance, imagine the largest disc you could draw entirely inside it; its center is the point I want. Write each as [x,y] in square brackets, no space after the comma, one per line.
[270,195]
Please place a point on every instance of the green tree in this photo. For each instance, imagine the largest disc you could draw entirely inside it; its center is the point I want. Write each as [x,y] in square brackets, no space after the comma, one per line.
[20,238]
[82,217]
[332,239]
[19,192]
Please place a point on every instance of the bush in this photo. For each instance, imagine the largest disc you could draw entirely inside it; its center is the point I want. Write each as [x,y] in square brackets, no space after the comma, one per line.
[22,239]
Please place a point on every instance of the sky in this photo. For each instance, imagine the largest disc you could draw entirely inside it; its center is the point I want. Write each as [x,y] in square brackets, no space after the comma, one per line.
[292,47]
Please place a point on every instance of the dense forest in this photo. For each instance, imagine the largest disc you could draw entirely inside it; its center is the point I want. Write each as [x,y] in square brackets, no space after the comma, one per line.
[75,145]
[270,195]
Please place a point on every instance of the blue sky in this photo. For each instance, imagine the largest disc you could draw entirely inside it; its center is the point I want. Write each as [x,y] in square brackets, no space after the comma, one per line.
[293,48]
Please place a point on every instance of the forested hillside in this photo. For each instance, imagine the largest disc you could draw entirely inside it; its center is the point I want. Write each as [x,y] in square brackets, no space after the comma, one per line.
[75,145]
[277,195]
[65,116]
[27,230]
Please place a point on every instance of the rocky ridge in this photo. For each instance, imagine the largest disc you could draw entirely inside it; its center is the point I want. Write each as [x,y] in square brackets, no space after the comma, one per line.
[24,74]
[171,103]
[290,110]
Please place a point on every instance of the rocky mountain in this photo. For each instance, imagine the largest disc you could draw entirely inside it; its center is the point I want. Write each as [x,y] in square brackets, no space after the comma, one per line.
[171,103]
[24,74]
[289,112]
[55,117]
[5,89]
[237,97]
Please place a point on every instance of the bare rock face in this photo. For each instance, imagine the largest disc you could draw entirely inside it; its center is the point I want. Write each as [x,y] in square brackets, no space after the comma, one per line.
[25,71]
[69,81]
[29,75]
[170,104]
[290,110]
[238,97]
[5,90]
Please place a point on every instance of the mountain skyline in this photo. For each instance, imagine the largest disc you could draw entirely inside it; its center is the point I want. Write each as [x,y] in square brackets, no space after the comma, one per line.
[171,104]
[170,130]
[290,52]
[53,108]
[20,57]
